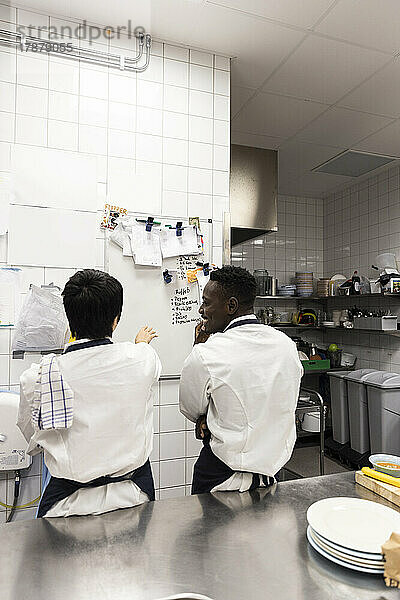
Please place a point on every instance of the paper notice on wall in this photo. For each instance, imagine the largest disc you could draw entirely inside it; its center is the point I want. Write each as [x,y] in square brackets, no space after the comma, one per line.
[202,281]
[178,245]
[145,245]
[10,297]
[4,203]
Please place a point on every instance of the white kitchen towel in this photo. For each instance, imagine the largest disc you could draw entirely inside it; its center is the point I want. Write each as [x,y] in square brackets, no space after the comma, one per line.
[53,400]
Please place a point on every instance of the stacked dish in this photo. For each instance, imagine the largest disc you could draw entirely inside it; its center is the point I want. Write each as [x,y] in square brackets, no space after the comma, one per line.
[304,284]
[351,531]
[323,287]
[286,290]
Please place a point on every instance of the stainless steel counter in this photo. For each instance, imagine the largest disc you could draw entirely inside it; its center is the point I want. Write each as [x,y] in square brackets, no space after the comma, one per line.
[229,546]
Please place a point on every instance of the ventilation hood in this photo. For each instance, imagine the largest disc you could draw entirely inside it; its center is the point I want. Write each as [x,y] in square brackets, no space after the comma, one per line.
[253,192]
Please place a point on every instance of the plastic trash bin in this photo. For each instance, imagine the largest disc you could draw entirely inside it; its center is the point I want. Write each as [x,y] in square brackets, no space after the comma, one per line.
[383,393]
[339,406]
[358,410]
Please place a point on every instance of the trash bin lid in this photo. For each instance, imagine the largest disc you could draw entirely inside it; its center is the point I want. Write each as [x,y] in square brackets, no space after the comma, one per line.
[360,374]
[339,374]
[383,380]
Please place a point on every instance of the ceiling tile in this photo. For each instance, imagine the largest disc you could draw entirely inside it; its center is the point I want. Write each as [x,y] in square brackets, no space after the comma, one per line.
[371,23]
[296,158]
[276,116]
[312,184]
[258,45]
[302,13]
[386,141]
[380,94]
[254,140]
[341,127]
[239,95]
[325,70]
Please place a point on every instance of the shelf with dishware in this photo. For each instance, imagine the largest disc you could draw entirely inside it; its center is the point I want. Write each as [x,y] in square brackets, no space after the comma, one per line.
[325,298]
[395,332]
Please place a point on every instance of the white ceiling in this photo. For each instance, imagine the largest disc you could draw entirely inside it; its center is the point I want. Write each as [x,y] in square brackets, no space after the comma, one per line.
[309,77]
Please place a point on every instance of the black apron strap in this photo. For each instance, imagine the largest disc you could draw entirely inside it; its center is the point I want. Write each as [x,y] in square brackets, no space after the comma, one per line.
[58,489]
[252,321]
[89,344]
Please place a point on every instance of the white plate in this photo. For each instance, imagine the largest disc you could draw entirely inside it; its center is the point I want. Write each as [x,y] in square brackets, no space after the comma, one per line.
[347,556]
[355,553]
[354,523]
[341,562]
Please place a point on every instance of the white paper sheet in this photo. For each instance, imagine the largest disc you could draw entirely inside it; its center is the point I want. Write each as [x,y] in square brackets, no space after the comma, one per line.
[202,281]
[4,203]
[178,245]
[10,297]
[53,178]
[51,237]
[146,245]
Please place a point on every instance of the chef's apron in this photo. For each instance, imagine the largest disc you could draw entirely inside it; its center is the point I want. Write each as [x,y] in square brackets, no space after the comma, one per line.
[209,470]
[58,489]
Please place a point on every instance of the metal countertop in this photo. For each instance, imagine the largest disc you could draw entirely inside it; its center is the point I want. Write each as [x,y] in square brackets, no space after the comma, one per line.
[228,546]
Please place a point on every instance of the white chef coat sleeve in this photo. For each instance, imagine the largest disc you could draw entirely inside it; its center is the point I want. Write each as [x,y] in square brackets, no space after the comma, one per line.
[193,389]
[27,386]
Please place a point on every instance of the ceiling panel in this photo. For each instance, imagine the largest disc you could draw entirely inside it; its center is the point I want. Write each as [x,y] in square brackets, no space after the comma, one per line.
[239,96]
[380,94]
[260,45]
[296,158]
[325,70]
[372,23]
[301,13]
[341,127]
[258,141]
[313,184]
[386,141]
[277,116]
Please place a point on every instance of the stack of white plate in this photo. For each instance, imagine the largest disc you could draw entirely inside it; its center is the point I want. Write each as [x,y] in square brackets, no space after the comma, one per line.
[304,284]
[351,531]
[286,290]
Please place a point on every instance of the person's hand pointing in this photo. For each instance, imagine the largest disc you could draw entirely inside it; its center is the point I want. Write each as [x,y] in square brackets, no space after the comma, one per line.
[145,334]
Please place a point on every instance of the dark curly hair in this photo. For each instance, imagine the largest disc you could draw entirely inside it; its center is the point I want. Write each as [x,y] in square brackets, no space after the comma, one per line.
[92,300]
[236,282]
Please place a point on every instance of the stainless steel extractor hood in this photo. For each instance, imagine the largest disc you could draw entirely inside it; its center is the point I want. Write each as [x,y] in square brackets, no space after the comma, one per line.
[253,192]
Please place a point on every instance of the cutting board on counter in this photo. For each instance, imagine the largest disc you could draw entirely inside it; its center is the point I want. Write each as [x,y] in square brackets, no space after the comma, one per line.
[387,491]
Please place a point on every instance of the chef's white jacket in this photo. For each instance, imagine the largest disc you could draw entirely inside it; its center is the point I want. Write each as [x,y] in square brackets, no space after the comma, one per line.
[247,381]
[112,429]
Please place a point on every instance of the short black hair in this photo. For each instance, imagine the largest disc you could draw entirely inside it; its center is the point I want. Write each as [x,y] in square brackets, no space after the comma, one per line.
[92,300]
[236,282]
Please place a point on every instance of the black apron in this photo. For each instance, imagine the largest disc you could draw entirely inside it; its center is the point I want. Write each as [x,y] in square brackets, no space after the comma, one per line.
[58,489]
[209,470]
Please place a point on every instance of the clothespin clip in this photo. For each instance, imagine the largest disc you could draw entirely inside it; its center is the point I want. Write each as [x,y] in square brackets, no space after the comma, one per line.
[149,223]
[205,267]
[167,276]
[179,228]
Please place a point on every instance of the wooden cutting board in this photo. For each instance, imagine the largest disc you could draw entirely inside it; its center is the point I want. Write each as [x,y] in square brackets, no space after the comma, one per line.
[387,491]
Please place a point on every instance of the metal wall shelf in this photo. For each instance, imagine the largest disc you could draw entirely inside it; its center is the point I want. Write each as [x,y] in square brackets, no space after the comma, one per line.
[395,333]
[324,298]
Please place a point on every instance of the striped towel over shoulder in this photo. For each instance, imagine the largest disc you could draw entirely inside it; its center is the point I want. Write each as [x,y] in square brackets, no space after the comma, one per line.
[53,399]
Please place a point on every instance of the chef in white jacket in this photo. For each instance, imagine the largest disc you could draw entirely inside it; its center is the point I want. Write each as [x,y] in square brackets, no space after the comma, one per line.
[241,388]
[91,409]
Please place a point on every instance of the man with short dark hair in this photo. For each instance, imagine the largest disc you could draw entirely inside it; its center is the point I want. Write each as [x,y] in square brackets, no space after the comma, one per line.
[240,387]
[91,409]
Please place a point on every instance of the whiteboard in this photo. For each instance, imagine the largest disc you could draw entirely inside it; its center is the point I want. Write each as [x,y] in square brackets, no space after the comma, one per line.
[53,178]
[49,237]
[171,309]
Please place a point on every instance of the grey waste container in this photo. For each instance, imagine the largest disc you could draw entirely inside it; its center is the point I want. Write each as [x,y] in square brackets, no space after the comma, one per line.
[383,393]
[339,406]
[358,410]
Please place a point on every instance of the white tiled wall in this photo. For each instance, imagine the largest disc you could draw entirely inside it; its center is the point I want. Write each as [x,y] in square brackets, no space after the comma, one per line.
[170,122]
[297,246]
[360,222]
